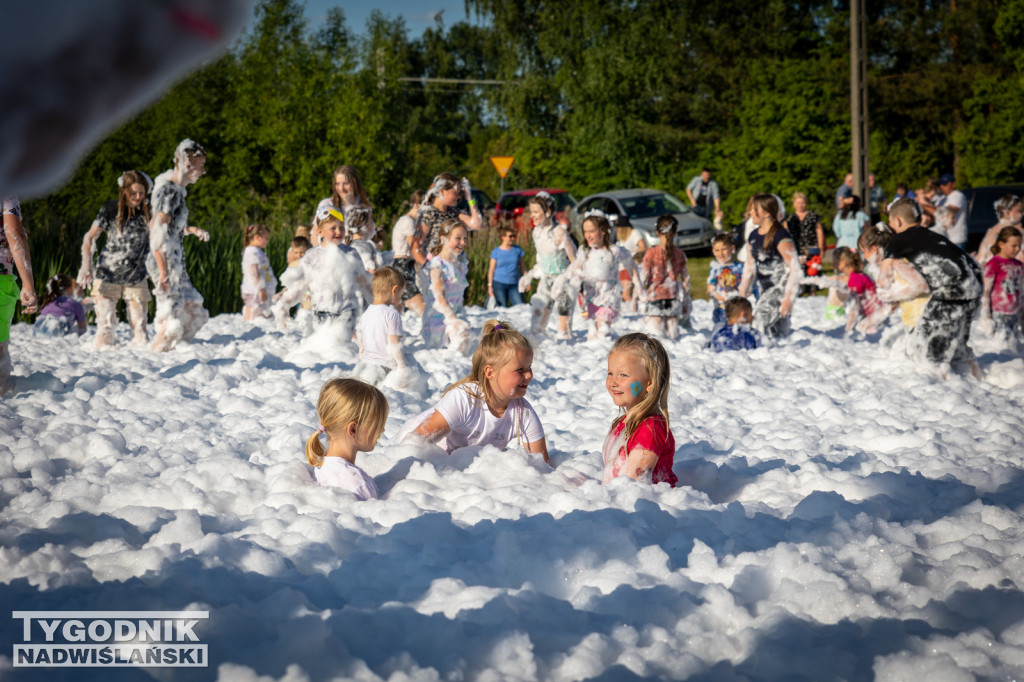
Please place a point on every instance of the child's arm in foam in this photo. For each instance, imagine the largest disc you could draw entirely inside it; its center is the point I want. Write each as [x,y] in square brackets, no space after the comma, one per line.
[539,446]
[787,249]
[640,462]
[85,272]
[566,243]
[440,301]
[898,280]
[433,428]
[158,227]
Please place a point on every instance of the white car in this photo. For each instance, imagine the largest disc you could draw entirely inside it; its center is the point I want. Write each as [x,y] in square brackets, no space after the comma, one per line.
[642,207]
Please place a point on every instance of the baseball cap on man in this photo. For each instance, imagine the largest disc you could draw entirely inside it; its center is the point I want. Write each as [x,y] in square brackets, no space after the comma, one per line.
[946,178]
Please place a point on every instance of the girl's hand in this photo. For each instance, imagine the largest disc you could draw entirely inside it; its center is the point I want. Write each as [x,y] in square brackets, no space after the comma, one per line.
[467,188]
[786,308]
[201,235]
[164,283]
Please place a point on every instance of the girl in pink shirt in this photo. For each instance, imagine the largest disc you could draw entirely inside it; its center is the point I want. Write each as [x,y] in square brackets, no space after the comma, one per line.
[639,444]
[864,310]
[1004,279]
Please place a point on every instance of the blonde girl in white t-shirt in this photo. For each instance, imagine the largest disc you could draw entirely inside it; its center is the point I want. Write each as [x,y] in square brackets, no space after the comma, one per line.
[258,281]
[352,414]
[488,406]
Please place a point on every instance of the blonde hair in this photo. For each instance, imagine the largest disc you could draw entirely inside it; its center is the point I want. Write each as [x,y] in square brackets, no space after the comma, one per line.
[799,195]
[499,342]
[342,401]
[302,231]
[385,279]
[445,231]
[655,362]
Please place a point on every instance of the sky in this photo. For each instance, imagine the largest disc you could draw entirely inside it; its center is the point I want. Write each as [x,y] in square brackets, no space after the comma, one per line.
[419,14]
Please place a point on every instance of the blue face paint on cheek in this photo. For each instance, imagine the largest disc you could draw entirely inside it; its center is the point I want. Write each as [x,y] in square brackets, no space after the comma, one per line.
[636,388]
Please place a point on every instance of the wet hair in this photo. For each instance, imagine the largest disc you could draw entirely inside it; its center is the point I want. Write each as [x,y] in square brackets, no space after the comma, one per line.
[343,401]
[1005,235]
[907,210]
[352,175]
[736,306]
[603,227]
[355,220]
[545,201]
[1005,204]
[445,230]
[875,236]
[443,182]
[186,151]
[124,207]
[723,238]
[253,231]
[499,342]
[56,286]
[385,279]
[850,208]
[770,205]
[655,363]
[845,253]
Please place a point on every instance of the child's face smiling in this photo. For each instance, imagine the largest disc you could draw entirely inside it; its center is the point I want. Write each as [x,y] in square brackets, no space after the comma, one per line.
[627,380]
[536,214]
[592,233]
[722,252]
[514,377]
[457,240]
[332,232]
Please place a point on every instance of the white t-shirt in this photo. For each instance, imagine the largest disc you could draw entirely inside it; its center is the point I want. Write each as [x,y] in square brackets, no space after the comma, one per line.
[338,472]
[400,235]
[632,242]
[378,322]
[957,233]
[472,423]
[253,255]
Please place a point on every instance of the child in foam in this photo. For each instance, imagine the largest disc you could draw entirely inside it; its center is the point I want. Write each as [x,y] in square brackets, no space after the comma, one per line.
[13,256]
[258,281]
[555,253]
[352,414]
[355,226]
[407,261]
[1003,299]
[639,443]
[633,241]
[772,260]
[667,282]
[179,307]
[893,275]
[487,407]
[863,308]
[338,285]
[379,331]
[595,274]
[1009,211]
[950,278]
[347,193]
[121,264]
[59,313]
[447,272]
[736,333]
[724,276]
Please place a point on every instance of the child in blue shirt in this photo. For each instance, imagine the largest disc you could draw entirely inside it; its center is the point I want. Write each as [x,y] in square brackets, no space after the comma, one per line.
[505,270]
[724,276]
[737,334]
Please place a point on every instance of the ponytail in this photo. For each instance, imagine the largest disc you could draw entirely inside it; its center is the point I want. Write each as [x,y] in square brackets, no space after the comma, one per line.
[56,287]
[315,450]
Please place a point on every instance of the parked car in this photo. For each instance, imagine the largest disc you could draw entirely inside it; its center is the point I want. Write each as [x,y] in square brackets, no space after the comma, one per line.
[981,213]
[512,206]
[642,207]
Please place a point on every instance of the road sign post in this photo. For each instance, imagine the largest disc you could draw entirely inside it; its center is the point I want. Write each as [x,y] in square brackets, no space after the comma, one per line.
[502,164]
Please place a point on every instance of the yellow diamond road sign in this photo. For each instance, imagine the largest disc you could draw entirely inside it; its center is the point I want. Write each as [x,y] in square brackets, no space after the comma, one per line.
[502,164]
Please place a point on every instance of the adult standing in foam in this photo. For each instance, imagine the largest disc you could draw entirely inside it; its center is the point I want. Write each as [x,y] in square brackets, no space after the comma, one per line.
[13,256]
[179,306]
[951,278]
[555,253]
[705,196]
[953,200]
[772,259]
[1008,210]
[121,264]
[347,192]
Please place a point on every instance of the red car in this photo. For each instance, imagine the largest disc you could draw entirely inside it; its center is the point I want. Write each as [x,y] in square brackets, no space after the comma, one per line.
[513,206]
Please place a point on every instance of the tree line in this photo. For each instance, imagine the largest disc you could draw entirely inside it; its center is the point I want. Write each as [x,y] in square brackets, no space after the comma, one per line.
[594,95]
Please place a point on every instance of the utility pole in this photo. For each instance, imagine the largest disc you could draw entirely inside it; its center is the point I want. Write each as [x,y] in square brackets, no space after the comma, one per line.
[859,97]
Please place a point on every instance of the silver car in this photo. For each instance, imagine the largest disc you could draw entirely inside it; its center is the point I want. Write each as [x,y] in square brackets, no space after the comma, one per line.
[642,207]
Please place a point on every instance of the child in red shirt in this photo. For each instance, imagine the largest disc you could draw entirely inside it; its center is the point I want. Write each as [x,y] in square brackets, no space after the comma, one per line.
[639,444]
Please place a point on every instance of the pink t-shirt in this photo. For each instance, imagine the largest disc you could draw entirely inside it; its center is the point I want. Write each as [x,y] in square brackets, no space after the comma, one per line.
[1008,278]
[864,288]
[652,435]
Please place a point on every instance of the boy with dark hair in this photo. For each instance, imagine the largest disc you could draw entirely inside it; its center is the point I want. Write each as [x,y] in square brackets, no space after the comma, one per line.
[737,334]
